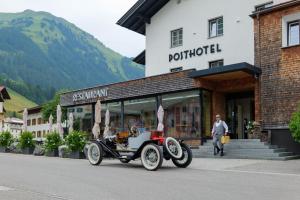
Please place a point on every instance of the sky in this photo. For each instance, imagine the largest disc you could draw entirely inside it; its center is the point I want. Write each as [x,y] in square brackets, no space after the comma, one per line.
[97,17]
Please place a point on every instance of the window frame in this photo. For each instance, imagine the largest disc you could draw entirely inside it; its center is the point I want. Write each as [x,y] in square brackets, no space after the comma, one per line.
[172,45]
[215,61]
[216,19]
[289,32]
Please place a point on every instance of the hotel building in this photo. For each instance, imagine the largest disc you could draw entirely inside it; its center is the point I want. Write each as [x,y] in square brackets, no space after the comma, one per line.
[200,61]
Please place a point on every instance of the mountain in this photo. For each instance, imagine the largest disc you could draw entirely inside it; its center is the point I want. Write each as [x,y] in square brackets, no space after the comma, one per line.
[47,53]
[16,103]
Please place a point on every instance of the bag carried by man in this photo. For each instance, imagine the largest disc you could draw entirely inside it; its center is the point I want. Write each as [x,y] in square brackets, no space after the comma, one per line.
[225,139]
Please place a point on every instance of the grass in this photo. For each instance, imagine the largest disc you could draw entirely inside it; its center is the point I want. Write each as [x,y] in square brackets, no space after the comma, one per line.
[17,102]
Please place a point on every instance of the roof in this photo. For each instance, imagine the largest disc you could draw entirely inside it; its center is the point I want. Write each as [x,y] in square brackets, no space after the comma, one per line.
[140,13]
[33,110]
[244,67]
[4,94]
[275,8]
[140,59]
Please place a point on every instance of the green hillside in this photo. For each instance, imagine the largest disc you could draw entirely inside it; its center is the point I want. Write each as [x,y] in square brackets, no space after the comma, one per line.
[44,53]
[17,102]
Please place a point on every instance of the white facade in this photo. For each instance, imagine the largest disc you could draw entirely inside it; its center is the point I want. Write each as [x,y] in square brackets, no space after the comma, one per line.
[37,126]
[236,44]
[13,125]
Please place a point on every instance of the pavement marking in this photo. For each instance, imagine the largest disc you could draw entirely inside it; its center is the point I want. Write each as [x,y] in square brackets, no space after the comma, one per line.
[3,188]
[256,172]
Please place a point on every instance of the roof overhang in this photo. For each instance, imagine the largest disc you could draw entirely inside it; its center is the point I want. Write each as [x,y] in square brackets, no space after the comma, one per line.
[140,13]
[4,94]
[140,59]
[228,72]
[275,8]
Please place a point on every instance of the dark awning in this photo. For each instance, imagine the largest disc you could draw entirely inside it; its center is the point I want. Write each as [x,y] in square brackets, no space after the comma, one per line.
[239,70]
[140,13]
[140,59]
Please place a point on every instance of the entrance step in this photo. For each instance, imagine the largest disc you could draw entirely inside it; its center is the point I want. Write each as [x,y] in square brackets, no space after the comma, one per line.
[246,149]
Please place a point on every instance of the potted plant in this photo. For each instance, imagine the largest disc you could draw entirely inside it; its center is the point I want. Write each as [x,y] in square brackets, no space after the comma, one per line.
[26,143]
[53,141]
[6,139]
[294,125]
[75,142]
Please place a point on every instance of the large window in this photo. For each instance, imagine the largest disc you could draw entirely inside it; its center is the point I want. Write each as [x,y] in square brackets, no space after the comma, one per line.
[176,37]
[140,113]
[182,114]
[215,27]
[293,33]
[115,117]
[83,120]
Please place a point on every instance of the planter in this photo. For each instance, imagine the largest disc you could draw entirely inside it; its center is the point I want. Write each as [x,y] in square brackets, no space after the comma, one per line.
[52,153]
[63,151]
[38,150]
[2,149]
[28,150]
[74,155]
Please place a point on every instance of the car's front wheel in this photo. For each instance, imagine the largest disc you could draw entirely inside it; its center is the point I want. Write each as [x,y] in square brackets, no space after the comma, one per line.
[173,148]
[186,158]
[95,153]
[152,157]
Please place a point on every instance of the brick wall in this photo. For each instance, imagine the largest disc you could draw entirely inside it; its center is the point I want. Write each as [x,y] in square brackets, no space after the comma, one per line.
[280,79]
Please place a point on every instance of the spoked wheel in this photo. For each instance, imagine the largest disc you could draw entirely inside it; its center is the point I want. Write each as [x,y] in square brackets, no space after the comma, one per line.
[95,153]
[186,158]
[152,157]
[173,148]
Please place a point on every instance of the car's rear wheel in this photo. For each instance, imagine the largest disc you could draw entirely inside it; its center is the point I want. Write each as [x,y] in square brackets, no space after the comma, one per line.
[186,158]
[95,153]
[152,157]
[173,148]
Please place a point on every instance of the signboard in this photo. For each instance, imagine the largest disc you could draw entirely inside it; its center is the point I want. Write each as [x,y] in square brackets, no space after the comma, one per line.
[90,94]
[187,54]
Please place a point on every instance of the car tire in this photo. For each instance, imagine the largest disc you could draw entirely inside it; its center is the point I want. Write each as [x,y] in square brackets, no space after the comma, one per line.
[95,153]
[173,148]
[152,157]
[186,159]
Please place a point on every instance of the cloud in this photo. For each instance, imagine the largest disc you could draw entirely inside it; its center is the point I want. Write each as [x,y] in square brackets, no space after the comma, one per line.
[97,17]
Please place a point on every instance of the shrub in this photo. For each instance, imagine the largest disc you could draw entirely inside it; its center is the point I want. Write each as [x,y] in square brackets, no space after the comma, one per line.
[26,140]
[53,141]
[6,139]
[76,140]
[294,125]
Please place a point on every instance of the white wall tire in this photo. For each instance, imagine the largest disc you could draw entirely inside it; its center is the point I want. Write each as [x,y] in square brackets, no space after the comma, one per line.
[173,148]
[95,153]
[186,158]
[152,157]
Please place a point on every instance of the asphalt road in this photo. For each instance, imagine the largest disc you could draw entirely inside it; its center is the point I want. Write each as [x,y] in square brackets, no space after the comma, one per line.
[38,178]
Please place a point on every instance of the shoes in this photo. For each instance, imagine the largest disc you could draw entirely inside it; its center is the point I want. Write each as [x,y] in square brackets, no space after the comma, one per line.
[222,152]
[216,150]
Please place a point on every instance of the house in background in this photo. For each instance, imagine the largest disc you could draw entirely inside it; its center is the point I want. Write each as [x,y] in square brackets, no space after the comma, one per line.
[13,125]
[3,96]
[37,125]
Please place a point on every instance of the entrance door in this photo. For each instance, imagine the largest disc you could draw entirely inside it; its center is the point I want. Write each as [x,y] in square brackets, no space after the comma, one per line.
[240,110]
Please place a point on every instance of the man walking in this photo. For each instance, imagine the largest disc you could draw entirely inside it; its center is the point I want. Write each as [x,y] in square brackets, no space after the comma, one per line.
[219,129]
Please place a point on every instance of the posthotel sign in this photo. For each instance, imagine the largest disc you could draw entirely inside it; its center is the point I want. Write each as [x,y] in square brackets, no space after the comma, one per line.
[90,94]
[187,54]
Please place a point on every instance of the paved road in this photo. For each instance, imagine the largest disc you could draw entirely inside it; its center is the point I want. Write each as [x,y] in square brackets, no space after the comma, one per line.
[38,178]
